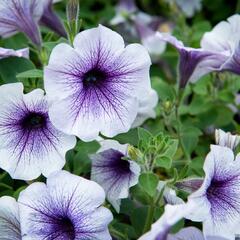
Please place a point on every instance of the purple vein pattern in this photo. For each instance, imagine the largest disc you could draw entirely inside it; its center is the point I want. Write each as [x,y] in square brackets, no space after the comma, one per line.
[9,219]
[115,174]
[30,144]
[67,207]
[21,16]
[51,20]
[97,84]
[218,198]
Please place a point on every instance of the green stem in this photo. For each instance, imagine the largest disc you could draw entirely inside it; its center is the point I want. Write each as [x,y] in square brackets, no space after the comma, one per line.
[117,234]
[179,98]
[149,219]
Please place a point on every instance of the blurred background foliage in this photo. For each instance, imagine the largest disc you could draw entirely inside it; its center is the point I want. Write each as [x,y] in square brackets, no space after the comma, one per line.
[208,104]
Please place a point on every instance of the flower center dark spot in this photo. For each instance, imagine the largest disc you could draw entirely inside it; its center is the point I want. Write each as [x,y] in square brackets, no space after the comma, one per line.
[119,164]
[67,227]
[93,77]
[34,120]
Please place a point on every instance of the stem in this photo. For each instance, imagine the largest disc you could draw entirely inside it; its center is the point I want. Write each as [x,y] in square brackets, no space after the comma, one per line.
[117,234]
[149,219]
[179,98]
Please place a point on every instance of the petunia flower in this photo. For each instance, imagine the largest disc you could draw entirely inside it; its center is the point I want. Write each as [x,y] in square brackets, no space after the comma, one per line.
[5,53]
[9,219]
[160,230]
[193,63]
[51,20]
[224,38]
[220,51]
[226,139]
[218,198]
[172,214]
[146,108]
[124,9]
[98,85]
[138,25]
[66,207]
[189,7]
[21,16]
[114,173]
[29,143]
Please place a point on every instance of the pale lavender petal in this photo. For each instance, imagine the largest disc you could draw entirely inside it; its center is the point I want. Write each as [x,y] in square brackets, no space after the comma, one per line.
[189,7]
[51,20]
[4,53]
[30,144]
[21,16]
[189,185]
[171,215]
[67,207]
[96,84]
[220,190]
[194,63]
[226,139]
[113,173]
[189,233]
[9,219]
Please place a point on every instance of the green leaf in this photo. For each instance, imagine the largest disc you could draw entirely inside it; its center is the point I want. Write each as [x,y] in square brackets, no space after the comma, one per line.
[33,73]
[171,148]
[10,67]
[138,218]
[149,182]
[164,162]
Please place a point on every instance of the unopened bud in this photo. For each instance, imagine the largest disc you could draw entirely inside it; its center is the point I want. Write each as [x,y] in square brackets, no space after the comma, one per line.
[72,10]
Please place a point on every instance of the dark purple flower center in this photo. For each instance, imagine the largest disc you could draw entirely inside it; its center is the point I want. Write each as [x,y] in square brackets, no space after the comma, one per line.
[118,163]
[66,226]
[94,77]
[33,120]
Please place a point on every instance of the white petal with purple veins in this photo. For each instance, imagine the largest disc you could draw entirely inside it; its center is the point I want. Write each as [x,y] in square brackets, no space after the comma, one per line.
[30,144]
[226,139]
[9,219]
[194,63]
[67,207]
[147,103]
[97,84]
[4,53]
[21,16]
[219,194]
[113,173]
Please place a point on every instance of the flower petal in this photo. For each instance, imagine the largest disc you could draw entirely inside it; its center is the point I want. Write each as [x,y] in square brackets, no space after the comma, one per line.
[9,219]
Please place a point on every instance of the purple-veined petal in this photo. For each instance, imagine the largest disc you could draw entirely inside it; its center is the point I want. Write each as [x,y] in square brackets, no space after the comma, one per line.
[189,185]
[219,193]
[194,63]
[147,103]
[67,207]
[21,16]
[9,219]
[171,215]
[100,82]
[51,20]
[30,144]
[115,174]
[226,139]
[225,38]
[4,53]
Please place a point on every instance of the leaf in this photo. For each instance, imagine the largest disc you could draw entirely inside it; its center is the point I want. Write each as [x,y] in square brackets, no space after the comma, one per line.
[164,162]
[33,73]
[138,218]
[144,134]
[10,67]
[149,182]
[172,148]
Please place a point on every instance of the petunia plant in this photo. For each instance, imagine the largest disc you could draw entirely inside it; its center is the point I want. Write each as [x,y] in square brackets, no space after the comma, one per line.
[119,120]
